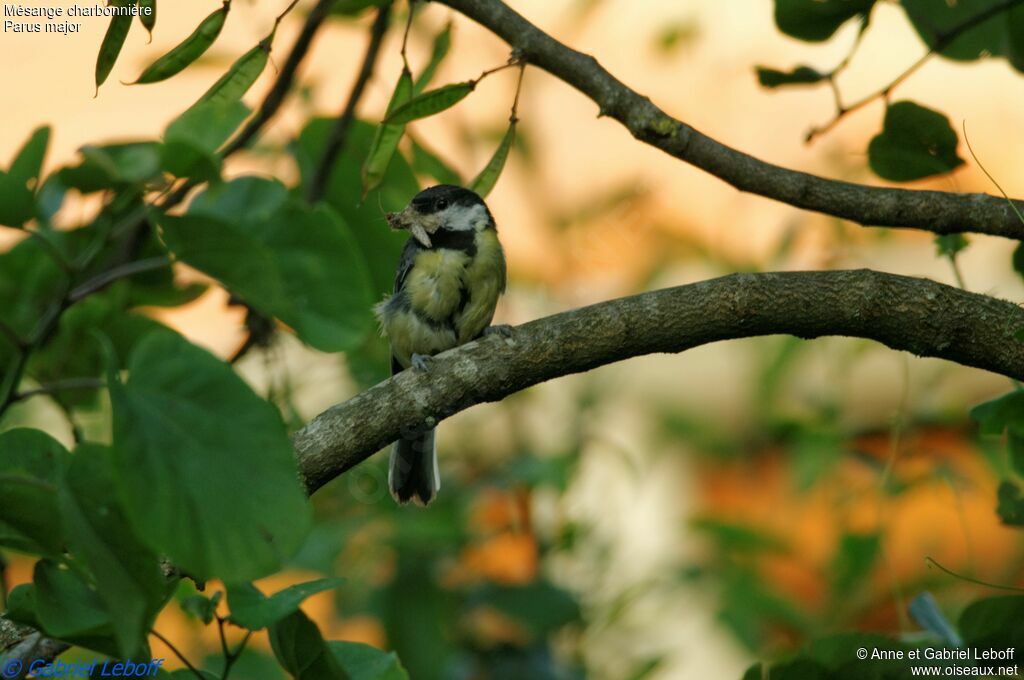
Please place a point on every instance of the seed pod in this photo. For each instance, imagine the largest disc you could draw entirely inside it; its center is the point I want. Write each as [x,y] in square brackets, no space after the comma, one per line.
[429,103]
[386,139]
[488,177]
[148,20]
[190,49]
[111,46]
[240,77]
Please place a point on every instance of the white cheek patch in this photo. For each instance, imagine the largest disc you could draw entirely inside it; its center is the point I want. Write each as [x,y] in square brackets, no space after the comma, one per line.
[464,218]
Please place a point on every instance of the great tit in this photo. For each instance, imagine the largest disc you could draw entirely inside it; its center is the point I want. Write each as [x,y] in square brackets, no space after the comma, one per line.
[449,277]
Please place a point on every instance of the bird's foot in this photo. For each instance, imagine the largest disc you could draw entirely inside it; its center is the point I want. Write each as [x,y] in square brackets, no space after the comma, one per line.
[421,362]
[504,330]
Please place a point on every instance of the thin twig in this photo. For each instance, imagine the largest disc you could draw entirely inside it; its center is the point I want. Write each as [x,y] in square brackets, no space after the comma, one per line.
[339,132]
[942,41]
[280,88]
[405,36]
[970,579]
[11,335]
[177,653]
[513,117]
[104,279]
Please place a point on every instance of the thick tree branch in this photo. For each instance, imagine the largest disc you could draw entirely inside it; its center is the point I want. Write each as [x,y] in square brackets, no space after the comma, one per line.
[936,211]
[915,315]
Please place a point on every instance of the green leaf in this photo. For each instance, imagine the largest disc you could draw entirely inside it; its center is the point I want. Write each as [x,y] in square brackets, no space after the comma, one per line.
[205,467]
[251,609]
[425,162]
[817,20]
[431,102]
[299,265]
[65,604]
[997,36]
[113,166]
[18,185]
[27,165]
[442,43]
[1010,507]
[190,49]
[202,607]
[800,75]
[488,177]
[30,465]
[380,245]
[1015,444]
[363,662]
[914,143]
[1018,259]
[301,649]
[949,245]
[192,139]
[994,623]
[996,415]
[113,41]
[239,78]
[148,21]
[128,578]
[387,136]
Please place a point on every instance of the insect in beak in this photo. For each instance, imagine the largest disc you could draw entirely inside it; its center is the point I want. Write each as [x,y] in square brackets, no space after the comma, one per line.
[411,220]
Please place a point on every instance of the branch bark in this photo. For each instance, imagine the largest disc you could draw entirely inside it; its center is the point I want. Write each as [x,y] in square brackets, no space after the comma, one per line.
[940,212]
[904,313]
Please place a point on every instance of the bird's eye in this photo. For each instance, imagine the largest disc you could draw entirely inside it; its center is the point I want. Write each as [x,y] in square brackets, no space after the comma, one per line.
[441,204]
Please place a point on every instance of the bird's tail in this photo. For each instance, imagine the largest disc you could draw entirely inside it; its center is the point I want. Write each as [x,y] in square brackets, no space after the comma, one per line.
[413,471]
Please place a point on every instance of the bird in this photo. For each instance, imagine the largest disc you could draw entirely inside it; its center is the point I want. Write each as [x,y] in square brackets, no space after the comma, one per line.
[450,275]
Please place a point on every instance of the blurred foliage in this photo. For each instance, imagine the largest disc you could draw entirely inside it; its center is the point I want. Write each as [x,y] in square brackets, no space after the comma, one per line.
[198,469]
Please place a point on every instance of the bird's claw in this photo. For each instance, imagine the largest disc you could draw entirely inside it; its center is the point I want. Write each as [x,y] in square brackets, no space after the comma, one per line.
[421,362]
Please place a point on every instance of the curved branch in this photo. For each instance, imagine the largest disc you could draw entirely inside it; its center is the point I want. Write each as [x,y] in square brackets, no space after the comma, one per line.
[940,212]
[904,313]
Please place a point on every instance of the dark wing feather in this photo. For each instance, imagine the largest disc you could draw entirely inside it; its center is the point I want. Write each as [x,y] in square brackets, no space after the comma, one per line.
[405,262]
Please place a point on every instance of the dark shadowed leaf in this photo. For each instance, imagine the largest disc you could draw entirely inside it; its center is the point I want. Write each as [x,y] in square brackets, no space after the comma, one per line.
[299,265]
[994,623]
[949,245]
[914,143]
[113,41]
[997,36]
[128,578]
[148,20]
[380,245]
[205,466]
[30,466]
[817,20]
[1010,504]
[301,650]
[800,75]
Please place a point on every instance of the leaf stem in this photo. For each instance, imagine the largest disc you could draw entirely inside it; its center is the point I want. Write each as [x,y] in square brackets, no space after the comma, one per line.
[942,40]
[177,653]
[971,579]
